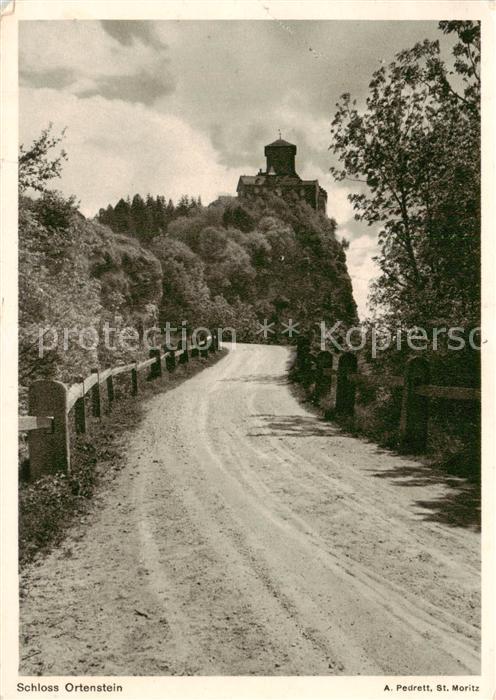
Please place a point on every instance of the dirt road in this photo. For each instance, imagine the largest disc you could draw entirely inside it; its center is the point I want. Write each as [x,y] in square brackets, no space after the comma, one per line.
[246,536]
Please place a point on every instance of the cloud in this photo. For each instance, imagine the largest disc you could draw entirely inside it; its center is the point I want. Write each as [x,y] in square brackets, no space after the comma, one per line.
[80,57]
[59,77]
[340,206]
[140,87]
[236,81]
[234,77]
[116,148]
[127,31]
[361,267]
[143,86]
[239,148]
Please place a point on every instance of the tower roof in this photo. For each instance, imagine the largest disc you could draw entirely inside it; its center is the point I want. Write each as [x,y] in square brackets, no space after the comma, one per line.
[280,142]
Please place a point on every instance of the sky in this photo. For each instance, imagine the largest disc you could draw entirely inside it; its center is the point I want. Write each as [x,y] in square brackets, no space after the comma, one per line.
[185,107]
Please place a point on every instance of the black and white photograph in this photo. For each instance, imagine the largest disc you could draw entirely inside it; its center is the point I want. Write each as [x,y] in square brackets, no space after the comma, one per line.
[245,336]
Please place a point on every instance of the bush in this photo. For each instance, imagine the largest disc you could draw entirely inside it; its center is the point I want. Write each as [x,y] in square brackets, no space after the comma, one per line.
[48,505]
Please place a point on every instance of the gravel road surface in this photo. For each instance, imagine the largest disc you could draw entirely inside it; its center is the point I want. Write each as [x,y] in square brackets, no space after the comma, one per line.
[244,535]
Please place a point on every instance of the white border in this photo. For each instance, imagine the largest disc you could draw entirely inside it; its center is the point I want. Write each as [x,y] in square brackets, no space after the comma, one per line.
[234,687]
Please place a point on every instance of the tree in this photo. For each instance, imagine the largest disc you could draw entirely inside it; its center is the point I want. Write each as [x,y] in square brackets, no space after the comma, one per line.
[185,293]
[228,266]
[239,218]
[54,211]
[160,215]
[122,217]
[106,216]
[138,216]
[415,152]
[76,274]
[36,166]
[170,210]
[183,206]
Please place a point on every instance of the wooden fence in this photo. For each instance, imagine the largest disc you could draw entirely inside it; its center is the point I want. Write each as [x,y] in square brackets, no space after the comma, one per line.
[317,371]
[50,403]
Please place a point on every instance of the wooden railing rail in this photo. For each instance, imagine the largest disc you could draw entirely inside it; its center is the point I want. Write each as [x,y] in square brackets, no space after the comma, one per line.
[50,403]
[319,371]
[455,393]
[27,423]
[367,379]
[434,391]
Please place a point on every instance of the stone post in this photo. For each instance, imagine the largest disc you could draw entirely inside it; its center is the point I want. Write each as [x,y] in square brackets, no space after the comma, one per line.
[156,367]
[96,406]
[110,391]
[134,381]
[170,361]
[80,410]
[414,408]
[49,450]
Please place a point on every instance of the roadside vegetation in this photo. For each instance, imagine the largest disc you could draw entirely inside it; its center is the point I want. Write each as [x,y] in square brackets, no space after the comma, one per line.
[52,504]
[412,153]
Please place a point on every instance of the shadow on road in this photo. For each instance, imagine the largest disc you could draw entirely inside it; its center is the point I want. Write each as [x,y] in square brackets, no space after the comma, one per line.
[293,426]
[459,507]
[277,379]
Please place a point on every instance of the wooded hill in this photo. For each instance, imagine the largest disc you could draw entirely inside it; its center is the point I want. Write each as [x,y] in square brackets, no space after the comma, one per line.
[221,265]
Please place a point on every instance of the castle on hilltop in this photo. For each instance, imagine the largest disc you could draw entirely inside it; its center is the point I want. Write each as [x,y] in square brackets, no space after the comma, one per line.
[280,178]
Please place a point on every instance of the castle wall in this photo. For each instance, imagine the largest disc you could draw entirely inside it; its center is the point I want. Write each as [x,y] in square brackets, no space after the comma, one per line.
[308,191]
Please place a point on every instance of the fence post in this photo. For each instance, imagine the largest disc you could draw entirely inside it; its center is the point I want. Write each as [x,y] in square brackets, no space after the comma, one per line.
[156,367]
[96,406]
[323,380]
[345,390]
[49,450]
[134,381]
[110,391]
[308,371]
[304,361]
[170,360]
[414,408]
[302,351]
[204,349]
[184,356]
[80,410]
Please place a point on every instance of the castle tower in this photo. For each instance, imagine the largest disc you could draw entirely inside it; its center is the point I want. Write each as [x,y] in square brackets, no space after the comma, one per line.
[281,157]
[281,179]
